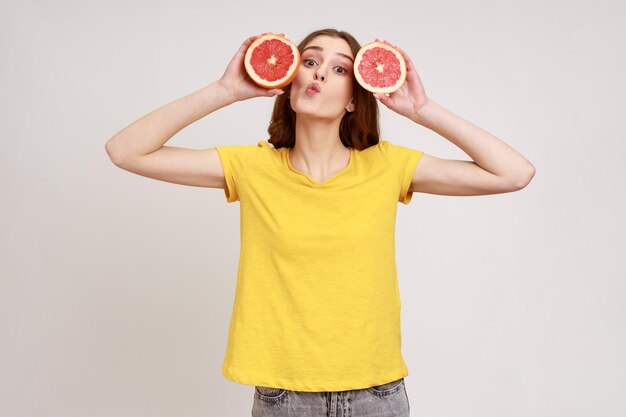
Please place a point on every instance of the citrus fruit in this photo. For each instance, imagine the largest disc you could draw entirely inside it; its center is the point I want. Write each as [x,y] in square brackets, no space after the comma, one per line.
[379,68]
[272,61]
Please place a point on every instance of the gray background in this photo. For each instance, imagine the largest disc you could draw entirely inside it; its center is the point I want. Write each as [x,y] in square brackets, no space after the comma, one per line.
[116,289]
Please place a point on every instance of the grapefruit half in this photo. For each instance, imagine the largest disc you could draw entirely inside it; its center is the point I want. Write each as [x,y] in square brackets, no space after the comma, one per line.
[379,68]
[272,61]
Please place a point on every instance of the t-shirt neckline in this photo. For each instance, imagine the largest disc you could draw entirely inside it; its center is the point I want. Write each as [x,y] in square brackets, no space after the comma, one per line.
[346,168]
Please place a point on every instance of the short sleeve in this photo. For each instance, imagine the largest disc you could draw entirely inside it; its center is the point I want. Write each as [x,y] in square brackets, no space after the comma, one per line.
[231,163]
[237,162]
[404,160]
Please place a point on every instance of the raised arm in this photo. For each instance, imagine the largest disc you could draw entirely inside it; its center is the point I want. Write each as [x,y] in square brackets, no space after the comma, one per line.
[140,147]
[496,167]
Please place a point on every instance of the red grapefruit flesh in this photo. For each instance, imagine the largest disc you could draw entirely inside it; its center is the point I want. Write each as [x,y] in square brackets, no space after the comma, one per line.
[379,68]
[272,61]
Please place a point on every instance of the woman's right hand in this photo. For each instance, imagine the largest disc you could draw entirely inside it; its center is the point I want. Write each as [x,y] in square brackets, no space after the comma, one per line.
[237,81]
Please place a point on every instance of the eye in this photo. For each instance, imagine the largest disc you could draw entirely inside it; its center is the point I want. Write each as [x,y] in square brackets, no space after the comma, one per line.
[343,70]
[306,61]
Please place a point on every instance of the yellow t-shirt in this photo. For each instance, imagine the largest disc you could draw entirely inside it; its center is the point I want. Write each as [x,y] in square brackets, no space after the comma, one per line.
[317,306]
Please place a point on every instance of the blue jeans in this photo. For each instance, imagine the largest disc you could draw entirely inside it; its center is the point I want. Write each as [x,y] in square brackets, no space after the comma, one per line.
[387,400]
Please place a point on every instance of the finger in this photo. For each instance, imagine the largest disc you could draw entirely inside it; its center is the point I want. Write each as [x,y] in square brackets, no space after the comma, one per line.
[409,63]
[410,68]
[393,46]
[387,43]
[386,99]
[404,54]
[273,92]
[380,97]
[248,41]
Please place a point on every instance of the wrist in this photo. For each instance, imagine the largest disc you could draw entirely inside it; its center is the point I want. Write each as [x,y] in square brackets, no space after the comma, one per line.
[225,92]
[421,109]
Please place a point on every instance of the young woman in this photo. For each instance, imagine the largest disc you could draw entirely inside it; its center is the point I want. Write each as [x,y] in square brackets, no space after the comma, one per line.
[315,325]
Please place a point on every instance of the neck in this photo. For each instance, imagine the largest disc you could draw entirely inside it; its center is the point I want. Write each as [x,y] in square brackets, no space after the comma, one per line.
[318,150]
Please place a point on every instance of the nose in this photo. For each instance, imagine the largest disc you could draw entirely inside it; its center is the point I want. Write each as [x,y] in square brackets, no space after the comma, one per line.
[319,75]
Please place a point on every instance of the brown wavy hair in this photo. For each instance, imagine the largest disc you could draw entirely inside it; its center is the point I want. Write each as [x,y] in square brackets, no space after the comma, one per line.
[358,129]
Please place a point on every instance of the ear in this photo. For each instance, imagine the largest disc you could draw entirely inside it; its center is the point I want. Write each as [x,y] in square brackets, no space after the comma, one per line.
[350,106]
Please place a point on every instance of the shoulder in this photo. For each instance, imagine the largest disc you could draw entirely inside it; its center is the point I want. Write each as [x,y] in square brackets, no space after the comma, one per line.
[263,154]
[396,153]
[245,150]
[378,149]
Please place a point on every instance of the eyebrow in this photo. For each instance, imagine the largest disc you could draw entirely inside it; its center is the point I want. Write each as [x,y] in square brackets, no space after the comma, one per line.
[319,48]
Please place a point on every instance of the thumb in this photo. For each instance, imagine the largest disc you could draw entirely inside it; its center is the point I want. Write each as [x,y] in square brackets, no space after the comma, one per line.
[274,92]
[382,98]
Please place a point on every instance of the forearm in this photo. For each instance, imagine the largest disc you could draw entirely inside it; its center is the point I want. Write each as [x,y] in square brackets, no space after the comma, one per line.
[152,131]
[485,149]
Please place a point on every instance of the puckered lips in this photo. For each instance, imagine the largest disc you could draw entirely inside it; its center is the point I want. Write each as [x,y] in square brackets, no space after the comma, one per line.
[313,89]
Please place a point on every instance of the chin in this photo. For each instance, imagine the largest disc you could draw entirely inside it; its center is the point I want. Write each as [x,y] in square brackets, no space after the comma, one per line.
[314,112]
[317,116]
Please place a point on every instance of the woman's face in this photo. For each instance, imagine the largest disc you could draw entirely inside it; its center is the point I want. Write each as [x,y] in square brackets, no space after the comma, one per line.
[328,62]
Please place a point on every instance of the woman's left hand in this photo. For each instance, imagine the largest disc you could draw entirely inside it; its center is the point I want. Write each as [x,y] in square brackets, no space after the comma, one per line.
[411,96]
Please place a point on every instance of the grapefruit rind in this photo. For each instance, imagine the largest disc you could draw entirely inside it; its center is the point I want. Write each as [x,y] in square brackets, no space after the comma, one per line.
[290,74]
[380,90]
